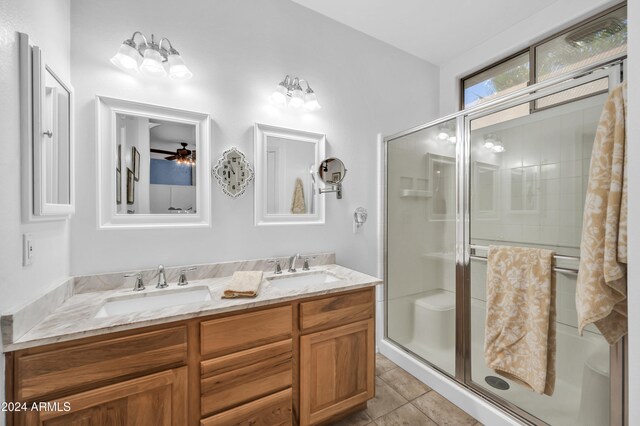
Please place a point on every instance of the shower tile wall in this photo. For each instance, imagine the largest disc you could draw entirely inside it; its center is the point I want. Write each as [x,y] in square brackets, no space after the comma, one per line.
[557,155]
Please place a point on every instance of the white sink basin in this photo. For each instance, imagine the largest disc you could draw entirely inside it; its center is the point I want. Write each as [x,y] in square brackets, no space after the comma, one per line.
[149,301]
[298,280]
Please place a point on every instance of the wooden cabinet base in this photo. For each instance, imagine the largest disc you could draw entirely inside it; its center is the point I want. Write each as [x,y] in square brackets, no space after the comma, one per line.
[155,400]
[337,371]
[272,410]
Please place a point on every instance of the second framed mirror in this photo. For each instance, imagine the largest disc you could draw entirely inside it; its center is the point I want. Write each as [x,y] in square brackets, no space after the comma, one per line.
[285,161]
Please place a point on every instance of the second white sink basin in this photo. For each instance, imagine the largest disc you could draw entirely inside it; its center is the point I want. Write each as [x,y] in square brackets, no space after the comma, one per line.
[303,279]
[149,301]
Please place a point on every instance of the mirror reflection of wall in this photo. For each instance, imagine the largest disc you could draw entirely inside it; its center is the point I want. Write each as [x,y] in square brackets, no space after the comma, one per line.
[56,124]
[162,157]
[290,187]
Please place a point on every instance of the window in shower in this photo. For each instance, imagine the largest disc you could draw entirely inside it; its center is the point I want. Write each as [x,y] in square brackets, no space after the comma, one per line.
[542,173]
[596,41]
[421,236]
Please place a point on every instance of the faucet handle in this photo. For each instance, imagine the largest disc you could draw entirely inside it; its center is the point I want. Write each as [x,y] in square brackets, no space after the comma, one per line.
[139,285]
[278,268]
[305,266]
[183,275]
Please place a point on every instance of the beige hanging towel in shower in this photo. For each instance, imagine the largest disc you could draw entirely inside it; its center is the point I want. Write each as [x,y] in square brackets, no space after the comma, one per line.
[520,328]
[601,289]
[297,203]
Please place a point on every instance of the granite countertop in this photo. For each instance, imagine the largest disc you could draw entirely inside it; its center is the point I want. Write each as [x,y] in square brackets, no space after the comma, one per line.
[75,318]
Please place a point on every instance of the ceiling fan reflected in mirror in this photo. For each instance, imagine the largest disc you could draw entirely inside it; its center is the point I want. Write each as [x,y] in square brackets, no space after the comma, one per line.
[181,155]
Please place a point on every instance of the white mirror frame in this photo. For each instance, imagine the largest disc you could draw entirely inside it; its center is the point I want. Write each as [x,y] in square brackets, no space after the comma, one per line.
[106,110]
[261,133]
[33,69]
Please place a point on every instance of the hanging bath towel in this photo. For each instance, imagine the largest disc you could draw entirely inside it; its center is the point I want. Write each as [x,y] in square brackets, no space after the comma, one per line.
[297,204]
[520,329]
[601,289]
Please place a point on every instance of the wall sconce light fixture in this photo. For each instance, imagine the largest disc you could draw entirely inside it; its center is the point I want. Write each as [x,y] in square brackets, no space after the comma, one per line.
[493,143]
[151,58]
[290,93]
[447,133]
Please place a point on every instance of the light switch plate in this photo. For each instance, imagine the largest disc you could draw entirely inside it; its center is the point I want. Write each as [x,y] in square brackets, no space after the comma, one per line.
[27,249]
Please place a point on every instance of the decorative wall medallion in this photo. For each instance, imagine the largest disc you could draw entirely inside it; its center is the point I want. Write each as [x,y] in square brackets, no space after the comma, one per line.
[232,172]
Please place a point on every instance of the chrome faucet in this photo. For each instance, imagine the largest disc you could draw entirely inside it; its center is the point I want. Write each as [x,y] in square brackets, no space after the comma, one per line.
[139,285]
[292,262]
[162,279]
[183,275]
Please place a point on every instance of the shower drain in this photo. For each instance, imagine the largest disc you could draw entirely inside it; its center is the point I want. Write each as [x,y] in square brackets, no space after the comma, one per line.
[496,382]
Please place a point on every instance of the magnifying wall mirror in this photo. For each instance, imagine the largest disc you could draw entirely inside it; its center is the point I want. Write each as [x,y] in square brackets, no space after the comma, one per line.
[285,162]
[154,165]
[332,172]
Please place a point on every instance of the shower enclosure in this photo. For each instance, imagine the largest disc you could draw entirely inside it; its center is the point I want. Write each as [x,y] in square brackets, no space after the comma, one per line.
[512,171]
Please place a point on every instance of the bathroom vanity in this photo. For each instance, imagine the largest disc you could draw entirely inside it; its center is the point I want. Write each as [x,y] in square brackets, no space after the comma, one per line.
[290,356]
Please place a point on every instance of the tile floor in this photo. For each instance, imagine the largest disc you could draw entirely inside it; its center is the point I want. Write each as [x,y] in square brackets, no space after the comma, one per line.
[401,399]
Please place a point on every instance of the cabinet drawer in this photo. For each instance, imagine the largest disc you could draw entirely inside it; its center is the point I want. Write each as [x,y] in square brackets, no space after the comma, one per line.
[337,310]
[89,364]
[238,332]
[241,377]
[272,410]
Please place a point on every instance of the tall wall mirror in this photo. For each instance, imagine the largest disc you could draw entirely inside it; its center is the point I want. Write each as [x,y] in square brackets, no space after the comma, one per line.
[47,110]
[285,188]
[153,165]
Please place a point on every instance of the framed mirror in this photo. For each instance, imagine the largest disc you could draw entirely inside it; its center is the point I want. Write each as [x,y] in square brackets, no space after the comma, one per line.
[153,165]
[52,139]
[285,190]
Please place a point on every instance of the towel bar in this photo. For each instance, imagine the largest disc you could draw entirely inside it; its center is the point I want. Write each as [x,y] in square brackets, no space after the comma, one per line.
[555,268]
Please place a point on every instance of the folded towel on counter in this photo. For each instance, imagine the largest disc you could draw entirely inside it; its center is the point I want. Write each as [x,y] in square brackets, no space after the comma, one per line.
[243,284]
[601,289]
[520,329]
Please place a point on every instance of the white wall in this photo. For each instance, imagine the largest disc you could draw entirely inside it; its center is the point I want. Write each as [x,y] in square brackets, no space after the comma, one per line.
[238,51]
[47,23]
[542,24]
[633,160]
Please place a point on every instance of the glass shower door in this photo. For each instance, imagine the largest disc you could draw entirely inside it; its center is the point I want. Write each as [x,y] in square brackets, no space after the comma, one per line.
[421,237]
[528,181]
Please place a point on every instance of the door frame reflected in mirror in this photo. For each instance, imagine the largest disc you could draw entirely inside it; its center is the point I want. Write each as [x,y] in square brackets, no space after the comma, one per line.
[107,110]
[262,218]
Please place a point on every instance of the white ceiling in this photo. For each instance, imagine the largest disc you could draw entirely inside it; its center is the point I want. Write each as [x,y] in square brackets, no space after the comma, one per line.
[436,31]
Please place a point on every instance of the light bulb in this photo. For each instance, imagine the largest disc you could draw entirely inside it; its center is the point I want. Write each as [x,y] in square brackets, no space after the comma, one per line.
[443,135]
[279,96]
[488,144]
[152,63]
[311,101]
[127,58]
[177,69]
[297,98]
[498,148]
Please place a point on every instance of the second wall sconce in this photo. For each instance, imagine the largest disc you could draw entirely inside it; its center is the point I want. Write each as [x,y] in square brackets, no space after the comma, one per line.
[151,58]
[290,93]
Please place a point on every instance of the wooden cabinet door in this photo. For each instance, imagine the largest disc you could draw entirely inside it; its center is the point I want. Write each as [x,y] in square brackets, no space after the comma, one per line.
[337,371]
[156,400]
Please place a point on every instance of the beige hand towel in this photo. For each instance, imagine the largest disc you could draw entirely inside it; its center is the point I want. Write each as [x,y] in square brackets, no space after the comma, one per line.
[520,329]
[601,289]
[297,203]
[243,284]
